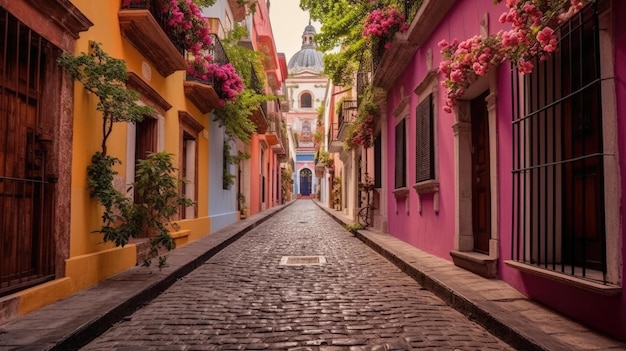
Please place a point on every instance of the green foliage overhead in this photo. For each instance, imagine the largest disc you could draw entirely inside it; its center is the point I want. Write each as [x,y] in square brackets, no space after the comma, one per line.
[106,77]
[341,27]
[235,115]
[242,58]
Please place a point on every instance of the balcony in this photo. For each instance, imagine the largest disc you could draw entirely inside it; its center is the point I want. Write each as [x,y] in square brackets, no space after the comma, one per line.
[142,25]
[246,42]
[423,17]
[275,137]
[259,117]
[334,144]
[239,11]
[364,72]
[346,117]
[206,95]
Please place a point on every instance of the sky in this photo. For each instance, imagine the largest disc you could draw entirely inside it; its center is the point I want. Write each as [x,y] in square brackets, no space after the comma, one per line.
[288,22]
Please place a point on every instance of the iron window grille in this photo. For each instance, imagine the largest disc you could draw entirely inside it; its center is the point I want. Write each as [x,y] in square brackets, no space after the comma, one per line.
[558,219]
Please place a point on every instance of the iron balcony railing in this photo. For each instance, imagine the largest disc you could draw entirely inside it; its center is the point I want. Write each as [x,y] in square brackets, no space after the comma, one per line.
[409,8]
[255,82]
[218,55]
[347,116]
[364,72]
[156,9]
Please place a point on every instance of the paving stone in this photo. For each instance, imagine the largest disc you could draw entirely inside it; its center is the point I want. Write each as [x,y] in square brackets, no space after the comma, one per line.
[242,298]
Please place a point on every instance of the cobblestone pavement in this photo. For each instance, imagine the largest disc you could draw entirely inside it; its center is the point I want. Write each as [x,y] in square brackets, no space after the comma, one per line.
[242,298]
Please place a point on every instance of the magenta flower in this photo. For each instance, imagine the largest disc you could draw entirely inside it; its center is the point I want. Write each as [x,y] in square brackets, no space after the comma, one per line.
[530,37]
[382,24]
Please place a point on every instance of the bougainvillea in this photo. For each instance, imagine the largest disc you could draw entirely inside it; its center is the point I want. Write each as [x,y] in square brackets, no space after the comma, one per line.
[532,36]
[184,23]
[184,20]
[224,77]
[383,23]
[361,131]
[228,79]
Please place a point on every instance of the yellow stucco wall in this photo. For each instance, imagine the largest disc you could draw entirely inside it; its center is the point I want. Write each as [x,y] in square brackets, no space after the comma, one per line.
[90,260]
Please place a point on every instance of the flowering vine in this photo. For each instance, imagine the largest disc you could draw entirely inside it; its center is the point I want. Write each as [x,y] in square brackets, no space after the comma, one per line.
[382,24]
[361,131]
[531,36]
[185,20]
[224,77]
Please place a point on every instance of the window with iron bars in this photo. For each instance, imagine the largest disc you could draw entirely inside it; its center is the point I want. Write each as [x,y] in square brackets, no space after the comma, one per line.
[558,155]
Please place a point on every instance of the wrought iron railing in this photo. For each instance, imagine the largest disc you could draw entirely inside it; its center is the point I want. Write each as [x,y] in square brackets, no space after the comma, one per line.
[218,55]
[255,82]
[364,73]
[348,113]
[156,9]
[409,8]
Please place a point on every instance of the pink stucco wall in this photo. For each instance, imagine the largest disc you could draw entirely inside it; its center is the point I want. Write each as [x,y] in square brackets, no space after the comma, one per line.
[430,231]
[434,233]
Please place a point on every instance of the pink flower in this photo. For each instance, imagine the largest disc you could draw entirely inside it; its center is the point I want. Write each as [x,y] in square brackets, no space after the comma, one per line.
[383,23]
[525,67]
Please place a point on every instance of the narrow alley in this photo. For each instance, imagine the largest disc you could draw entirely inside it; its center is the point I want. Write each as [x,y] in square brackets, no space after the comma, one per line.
[243,298]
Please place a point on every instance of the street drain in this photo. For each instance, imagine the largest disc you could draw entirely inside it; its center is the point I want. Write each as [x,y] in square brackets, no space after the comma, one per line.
[302,260]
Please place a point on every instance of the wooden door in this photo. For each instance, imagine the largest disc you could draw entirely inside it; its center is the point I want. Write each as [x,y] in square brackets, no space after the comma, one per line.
[481,186]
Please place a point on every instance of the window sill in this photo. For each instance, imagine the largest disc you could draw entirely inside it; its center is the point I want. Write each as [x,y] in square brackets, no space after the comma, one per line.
[401,193]
[596,287]
[481,264]
[427,187]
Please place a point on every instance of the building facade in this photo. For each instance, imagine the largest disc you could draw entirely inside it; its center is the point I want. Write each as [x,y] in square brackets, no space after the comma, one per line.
[305,90]
[55,123]
[521,180]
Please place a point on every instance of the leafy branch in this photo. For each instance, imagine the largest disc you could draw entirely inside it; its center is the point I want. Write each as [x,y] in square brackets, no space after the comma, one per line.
[155,186]
[105,77]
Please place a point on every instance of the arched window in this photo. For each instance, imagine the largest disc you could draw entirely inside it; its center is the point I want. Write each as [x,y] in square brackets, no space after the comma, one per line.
[306,101]
[306,131]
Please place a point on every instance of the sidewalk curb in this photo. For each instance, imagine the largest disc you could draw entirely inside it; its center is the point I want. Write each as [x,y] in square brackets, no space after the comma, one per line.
[87,333]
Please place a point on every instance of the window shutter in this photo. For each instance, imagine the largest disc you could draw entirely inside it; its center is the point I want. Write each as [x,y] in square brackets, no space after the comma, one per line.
[400,160]
[424,143]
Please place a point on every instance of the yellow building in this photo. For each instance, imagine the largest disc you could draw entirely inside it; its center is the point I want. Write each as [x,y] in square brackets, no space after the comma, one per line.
[51,128]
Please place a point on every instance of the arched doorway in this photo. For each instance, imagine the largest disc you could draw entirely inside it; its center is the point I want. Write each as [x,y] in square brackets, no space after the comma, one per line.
[306,177]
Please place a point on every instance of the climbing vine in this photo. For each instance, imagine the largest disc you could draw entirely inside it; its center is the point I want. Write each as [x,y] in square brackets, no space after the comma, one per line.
[156,188]
[532,36]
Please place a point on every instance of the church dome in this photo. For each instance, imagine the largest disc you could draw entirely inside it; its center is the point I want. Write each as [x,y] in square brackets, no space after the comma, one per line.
[308,58]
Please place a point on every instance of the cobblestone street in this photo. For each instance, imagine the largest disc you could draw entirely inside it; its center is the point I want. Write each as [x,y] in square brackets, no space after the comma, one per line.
[242,298]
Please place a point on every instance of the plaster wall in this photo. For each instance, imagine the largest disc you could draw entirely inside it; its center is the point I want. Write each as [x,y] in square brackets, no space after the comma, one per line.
[222,202]
[434,232]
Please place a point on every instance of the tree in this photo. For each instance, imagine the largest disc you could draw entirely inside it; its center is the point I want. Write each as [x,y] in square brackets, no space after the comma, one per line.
[342,27]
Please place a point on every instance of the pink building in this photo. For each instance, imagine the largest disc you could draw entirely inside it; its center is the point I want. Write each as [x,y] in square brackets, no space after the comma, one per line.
[522,180]
[269,145]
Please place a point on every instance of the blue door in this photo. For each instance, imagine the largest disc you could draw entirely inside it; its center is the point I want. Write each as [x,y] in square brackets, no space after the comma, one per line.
[305,181]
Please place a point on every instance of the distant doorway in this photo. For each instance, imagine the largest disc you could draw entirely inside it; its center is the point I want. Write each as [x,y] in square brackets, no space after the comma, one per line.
[306,177]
